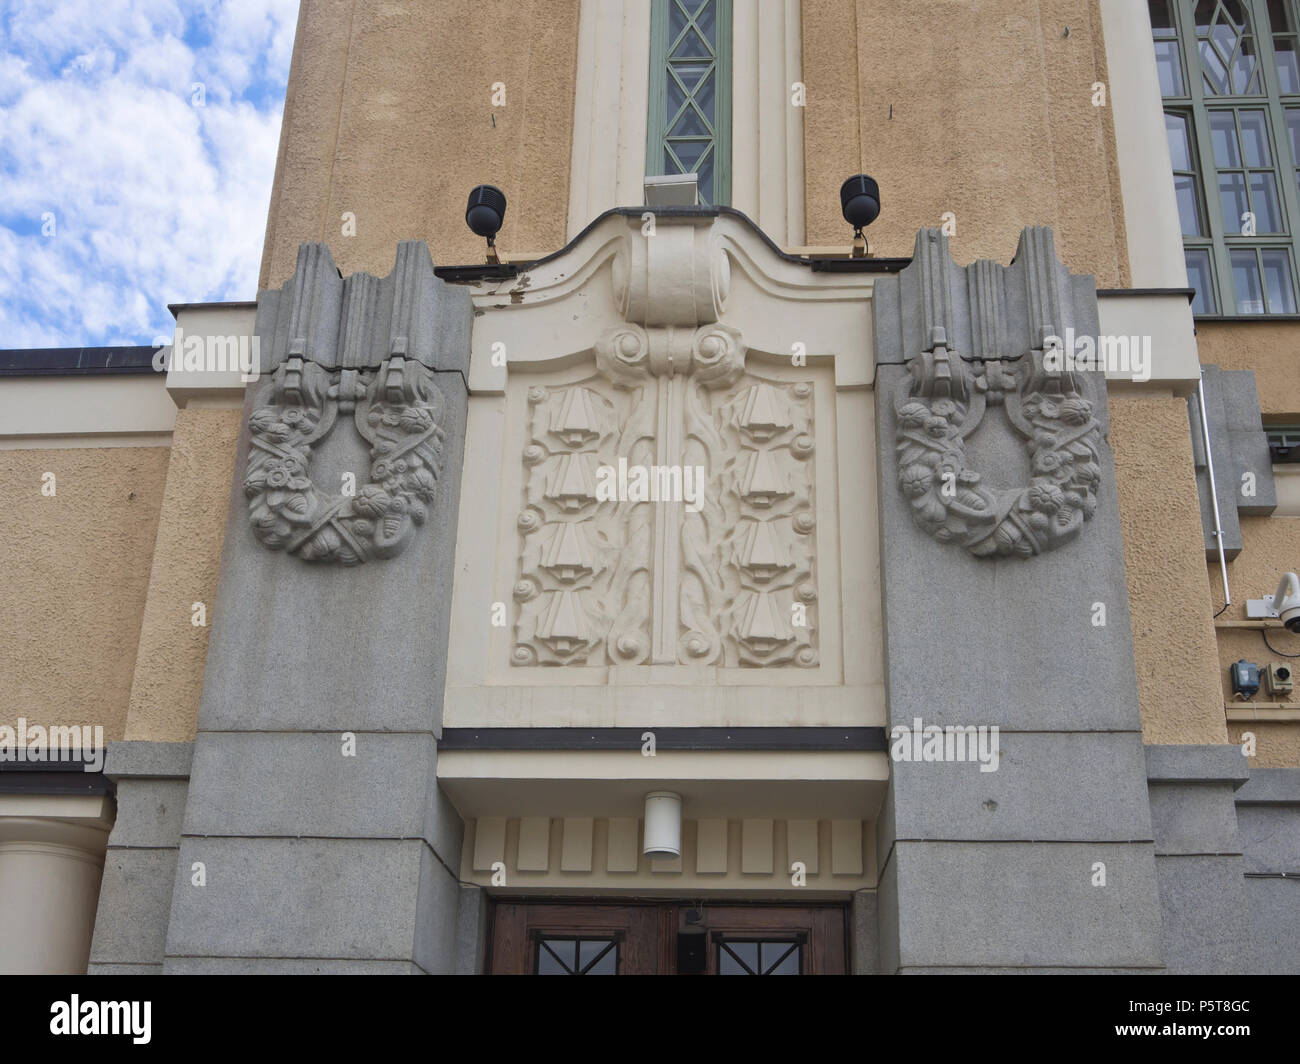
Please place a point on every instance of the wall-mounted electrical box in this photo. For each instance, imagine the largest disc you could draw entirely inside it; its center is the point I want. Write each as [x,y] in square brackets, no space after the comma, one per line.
[1278,680]
[1245,678]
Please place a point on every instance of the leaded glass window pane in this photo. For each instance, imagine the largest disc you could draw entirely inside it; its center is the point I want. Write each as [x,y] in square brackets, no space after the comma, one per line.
[1226,48]
[690,71]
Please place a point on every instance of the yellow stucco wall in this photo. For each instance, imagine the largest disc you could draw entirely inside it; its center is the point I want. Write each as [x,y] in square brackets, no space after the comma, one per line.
[1174,650]
[1002,135]
[168,676]
[1271,349]
[76,571]
[389,116]
[1276,745]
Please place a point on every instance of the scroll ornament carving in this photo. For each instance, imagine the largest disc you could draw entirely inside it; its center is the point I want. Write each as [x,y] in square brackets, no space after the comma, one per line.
[397,409]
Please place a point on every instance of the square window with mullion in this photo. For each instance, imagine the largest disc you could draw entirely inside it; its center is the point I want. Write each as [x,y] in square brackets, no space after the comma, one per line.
[1248,192]
[1262,280]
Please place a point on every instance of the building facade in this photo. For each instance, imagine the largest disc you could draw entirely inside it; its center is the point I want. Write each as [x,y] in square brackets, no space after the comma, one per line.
[691,590]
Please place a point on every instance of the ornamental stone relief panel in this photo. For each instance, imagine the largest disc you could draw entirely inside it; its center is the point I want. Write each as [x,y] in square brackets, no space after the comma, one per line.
[668,509]
[355,356]
[983,344]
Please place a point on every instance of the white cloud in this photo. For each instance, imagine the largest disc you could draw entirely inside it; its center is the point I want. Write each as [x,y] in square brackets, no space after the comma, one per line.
[153,200]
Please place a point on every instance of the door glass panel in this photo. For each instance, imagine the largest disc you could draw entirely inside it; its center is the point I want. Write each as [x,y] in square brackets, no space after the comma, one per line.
[763,957]
[598,957]
[780,958]
[576,956]
[738,958]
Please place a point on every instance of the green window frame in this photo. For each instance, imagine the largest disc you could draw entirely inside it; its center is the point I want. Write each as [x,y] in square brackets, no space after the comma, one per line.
[1229,74]
[689,120]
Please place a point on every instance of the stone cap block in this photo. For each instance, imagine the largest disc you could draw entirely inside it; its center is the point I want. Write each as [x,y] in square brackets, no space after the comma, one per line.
[1197,764]
[136,759]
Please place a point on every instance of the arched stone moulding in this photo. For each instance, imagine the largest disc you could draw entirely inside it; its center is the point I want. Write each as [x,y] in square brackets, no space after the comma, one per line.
[986,341]
[365,350]
[686,343]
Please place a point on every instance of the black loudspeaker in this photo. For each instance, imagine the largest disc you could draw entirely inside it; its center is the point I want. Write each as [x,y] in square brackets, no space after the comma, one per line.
[691,958]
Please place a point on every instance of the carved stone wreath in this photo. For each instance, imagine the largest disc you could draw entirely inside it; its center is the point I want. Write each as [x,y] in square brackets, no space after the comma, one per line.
[940,404]
[398,411]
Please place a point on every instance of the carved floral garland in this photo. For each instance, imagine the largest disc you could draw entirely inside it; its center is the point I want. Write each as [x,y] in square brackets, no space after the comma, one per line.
[288,511]
[949,500]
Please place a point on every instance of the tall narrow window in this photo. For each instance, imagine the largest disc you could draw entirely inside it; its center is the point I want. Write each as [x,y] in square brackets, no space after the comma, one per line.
[689,124]
[1230,78]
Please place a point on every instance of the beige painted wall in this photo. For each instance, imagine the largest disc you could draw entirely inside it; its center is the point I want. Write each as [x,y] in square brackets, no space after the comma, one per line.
[1271,349]
[76,570]
[168,678]
[389,116]
[1164,557]
[1003,134]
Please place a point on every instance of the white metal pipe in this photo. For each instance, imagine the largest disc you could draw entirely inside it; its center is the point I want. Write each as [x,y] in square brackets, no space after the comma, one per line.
[1214,489]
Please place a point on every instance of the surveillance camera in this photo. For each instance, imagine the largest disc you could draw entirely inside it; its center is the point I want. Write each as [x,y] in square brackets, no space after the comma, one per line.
[1286,601]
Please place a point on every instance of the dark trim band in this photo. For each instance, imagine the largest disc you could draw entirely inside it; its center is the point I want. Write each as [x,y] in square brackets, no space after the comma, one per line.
[828,739]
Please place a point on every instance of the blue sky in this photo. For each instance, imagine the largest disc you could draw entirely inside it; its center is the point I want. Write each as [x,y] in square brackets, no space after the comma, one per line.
[137,149]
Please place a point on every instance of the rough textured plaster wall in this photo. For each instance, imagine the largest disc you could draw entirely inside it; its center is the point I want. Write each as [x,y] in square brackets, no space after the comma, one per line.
[1164,557]
[1271,349]
[76,572]
[168,678]
[389,116]
[1276,745]
[1002,135]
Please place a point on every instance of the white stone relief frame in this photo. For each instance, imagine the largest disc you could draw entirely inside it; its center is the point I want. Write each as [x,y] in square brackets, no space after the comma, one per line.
[549,324]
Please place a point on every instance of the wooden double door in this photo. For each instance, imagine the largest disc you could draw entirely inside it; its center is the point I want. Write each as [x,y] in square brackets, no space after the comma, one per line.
[530,937]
